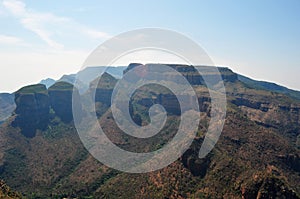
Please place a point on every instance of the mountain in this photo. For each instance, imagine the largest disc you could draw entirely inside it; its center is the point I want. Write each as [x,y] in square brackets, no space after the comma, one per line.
[91,72]
[48,82]
[84,77]
[269,87]
[257,155]
[7,106]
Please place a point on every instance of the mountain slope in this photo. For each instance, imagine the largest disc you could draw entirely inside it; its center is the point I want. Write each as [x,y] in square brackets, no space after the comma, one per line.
[269,87]
[257,155]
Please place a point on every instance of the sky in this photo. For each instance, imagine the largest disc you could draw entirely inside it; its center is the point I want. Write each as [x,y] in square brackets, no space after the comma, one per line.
[41,39]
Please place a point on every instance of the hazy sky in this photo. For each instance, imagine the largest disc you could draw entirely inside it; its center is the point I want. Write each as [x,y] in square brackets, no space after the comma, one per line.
[40,39]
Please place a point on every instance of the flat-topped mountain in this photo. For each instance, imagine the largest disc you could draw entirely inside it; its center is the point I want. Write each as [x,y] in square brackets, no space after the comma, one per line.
[191,72]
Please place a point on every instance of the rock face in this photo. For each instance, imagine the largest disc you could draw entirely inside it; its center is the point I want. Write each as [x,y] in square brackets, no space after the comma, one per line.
[35,102]
[32,110]
[167,99]
[61,100]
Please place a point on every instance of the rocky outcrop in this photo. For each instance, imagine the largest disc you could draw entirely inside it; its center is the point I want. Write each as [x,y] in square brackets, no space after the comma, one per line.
[103,88]
[33,105]
[32,112]
[48,82]
[61,94]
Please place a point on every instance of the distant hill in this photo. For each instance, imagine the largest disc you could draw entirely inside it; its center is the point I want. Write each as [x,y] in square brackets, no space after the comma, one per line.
[269,87]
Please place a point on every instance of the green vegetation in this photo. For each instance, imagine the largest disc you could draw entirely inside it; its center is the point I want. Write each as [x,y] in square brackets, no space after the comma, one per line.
[38,88]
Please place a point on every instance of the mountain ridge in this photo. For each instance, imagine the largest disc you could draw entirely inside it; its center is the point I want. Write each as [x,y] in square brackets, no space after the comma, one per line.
[269,86]
[257,155]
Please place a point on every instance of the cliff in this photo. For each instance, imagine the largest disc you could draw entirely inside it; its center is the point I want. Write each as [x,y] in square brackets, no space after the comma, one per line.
[61,100]
[32,111]
[33,105]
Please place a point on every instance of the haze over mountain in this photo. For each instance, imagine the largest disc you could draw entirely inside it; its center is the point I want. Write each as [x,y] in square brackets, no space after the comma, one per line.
[257,155]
